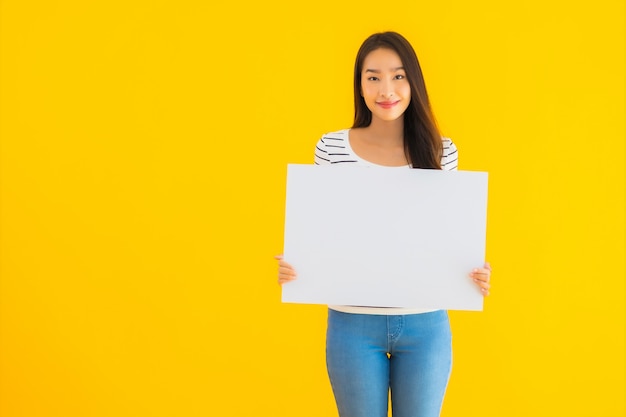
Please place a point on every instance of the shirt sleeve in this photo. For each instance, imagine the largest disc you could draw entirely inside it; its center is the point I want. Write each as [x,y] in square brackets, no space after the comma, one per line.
[450,160]
[321,154]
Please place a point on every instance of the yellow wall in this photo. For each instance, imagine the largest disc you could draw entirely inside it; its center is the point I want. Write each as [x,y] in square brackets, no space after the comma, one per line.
[143,157]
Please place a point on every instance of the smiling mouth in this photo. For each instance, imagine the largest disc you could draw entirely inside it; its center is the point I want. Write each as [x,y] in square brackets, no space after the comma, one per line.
[387,104]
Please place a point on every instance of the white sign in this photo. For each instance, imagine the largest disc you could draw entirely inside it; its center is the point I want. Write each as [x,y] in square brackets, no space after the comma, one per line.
[384,237]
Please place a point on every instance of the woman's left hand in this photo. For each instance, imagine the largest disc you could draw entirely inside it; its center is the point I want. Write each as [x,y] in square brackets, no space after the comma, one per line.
[481,277]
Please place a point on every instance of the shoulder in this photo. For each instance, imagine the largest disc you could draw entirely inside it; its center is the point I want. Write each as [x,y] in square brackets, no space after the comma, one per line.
[450,157]
[330,145]
[332,139]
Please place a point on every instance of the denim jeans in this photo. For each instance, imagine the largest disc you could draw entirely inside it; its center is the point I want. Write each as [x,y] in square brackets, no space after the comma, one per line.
[369,356]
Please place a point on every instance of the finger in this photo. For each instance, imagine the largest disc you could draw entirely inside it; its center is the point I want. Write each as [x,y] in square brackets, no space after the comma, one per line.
[286,265]
[287,271]
[481,274]
[487,266]
[483,286]
[281,261]
[285,279]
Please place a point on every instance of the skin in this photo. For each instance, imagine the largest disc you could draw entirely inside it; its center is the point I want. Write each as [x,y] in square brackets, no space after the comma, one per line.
[387,94]
[383,82]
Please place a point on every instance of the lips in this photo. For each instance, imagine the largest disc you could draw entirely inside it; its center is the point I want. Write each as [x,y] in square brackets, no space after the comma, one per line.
[387,104]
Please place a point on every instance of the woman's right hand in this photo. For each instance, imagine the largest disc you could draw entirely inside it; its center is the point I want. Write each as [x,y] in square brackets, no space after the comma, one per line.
[286,273]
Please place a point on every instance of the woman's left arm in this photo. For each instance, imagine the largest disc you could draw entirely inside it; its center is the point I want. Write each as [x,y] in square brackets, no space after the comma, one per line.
[481,277]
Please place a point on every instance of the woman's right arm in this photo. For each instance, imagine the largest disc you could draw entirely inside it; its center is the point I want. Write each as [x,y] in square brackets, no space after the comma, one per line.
[286,273]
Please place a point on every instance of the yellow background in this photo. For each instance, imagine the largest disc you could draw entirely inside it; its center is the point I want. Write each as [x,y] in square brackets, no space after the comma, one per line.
[144,147]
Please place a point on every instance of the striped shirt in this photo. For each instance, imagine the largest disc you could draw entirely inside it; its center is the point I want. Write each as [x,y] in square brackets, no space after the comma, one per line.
[334,148]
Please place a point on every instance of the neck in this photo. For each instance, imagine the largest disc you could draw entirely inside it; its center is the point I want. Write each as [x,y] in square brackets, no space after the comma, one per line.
[389,132]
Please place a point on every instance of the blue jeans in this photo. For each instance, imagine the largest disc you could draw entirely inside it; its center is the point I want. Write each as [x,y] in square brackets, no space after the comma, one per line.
[370,355]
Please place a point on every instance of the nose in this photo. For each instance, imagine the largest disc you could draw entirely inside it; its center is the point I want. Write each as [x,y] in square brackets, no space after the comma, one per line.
[386,89]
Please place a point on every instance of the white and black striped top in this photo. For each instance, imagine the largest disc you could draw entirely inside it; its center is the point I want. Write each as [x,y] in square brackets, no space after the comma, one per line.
[334,148]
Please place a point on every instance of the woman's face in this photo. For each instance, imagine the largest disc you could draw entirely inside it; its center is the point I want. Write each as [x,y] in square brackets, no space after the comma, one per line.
[384,86]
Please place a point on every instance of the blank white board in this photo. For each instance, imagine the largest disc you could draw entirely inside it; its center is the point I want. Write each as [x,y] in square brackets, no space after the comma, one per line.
[384,237]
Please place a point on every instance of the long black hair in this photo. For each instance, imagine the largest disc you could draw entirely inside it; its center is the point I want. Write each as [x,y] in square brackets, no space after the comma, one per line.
[423,145]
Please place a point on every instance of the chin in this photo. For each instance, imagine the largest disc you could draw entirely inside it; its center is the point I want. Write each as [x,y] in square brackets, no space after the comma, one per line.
[390,118]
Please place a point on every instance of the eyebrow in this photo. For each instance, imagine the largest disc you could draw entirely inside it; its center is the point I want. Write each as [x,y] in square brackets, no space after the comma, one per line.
[378,71]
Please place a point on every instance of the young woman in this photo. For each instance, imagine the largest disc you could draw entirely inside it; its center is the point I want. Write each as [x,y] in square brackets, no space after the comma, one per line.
[373,351]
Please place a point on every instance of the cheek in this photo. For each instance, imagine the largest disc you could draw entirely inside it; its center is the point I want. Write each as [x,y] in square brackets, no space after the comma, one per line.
[366,92]
[406,90]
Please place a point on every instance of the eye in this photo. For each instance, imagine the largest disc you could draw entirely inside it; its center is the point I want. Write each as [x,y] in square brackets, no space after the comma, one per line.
[399,77]
[372,79]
